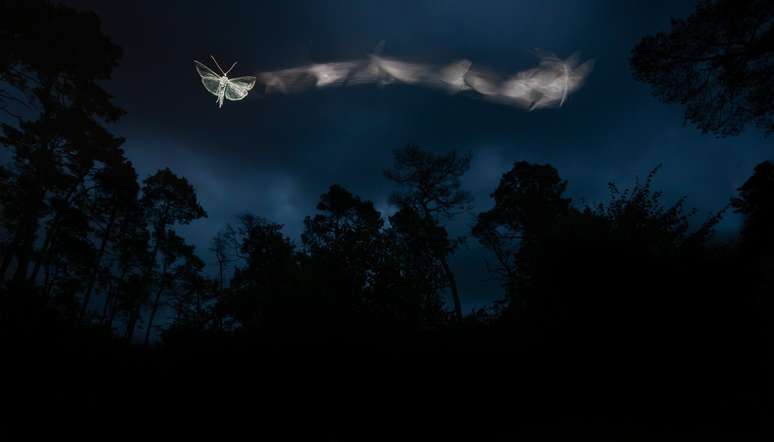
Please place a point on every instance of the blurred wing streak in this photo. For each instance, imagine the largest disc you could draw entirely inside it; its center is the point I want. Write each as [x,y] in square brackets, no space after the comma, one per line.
[547,85]
[453,75]
[237,88]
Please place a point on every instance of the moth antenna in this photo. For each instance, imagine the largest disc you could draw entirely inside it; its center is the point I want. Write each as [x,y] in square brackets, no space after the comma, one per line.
[229,69]
[216,64]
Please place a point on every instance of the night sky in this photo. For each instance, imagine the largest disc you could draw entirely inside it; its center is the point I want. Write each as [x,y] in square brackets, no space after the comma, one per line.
[274,155]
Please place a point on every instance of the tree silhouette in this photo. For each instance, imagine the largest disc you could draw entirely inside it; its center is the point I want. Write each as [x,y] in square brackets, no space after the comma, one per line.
[342,243]
[172,249]
[221,246]
[413,245]
[193,296]
[756,204]
[430,186]
[112,201]
[263,286]
[604,268]
[529,204]
[130,257]
[166,200]
[718,63]
[55,58]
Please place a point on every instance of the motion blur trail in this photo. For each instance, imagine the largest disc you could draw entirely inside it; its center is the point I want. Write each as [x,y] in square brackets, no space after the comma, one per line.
[545,86]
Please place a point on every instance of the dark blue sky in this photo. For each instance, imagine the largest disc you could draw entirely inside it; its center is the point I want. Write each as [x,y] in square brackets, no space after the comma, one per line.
[274,155]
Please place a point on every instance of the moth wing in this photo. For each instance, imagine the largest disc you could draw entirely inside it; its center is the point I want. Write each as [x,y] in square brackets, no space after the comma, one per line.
[210,80]
[237,88]
[243,82]
[204,71]
[212,85]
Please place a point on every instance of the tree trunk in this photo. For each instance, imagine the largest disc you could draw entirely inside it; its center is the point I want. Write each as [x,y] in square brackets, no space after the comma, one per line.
[198,310]
[153,314]
[48,286]
[454,291]
[114,289]
[47,272]
[34,202]
[111,311]
[25,251]
[53,230]
[100,254]
[45,250]
[30,230]
[159,232]
[131,323]
[10,251]
[220,275]
[106,307]
[111,316]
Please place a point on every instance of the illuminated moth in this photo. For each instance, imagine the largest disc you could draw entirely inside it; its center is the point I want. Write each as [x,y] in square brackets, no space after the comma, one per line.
[221,86]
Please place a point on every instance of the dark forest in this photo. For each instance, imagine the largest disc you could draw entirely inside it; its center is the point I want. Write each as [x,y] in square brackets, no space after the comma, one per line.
[619,320]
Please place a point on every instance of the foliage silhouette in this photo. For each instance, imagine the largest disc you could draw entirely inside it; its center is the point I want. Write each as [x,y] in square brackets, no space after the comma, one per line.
[718,63]
[430,186]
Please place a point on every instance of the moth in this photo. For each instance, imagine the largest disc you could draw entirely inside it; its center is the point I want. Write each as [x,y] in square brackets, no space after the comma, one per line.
[221,86]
